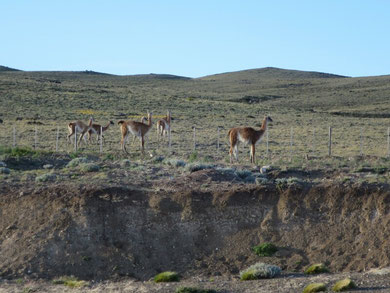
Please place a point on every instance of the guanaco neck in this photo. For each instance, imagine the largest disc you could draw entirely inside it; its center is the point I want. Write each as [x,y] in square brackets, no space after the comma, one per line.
[106,127]
[264,124]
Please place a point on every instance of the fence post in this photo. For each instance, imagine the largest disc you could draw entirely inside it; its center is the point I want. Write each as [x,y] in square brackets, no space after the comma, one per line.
[35,138]
[218,139]
[169,138]
[314,141]
[75,139]
[361,141]
[267,153]
[388,142]
[101,139]
[14,140]
[330,142]
[291,141]
[58,131]
[194,138]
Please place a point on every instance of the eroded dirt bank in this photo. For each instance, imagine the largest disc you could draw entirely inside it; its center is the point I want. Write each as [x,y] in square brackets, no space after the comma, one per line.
[97,232]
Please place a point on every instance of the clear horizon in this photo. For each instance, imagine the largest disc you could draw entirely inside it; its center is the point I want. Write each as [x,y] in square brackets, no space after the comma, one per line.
[195,39]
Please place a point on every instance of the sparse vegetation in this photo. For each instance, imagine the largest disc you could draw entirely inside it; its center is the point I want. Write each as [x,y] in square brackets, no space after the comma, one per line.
[194,290]
[344,285]
[46,177]
[314,287]
[318,268]
[77,161]
[265,249]
[70,281]
[89,167]
[167,277]
[260,271]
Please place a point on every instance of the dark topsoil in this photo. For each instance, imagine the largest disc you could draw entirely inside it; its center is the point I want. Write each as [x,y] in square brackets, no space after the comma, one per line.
[132,232]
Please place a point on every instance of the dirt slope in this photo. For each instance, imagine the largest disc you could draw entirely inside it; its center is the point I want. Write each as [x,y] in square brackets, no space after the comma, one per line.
[100,232]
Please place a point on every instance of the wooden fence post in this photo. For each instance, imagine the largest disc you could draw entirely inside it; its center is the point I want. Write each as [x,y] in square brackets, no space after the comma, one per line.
[101,139]
[218,139]
[14,140]
[267,153]
[75,139]
[330,142]
[314,141]
[361,141]
[35,138]
[58,131]
[291,141]
[194,138]
[388,142]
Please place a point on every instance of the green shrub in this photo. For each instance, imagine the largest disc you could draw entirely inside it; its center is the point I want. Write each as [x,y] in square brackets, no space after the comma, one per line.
[318,268]
[175,163]
[77,161]
[344,285]
[194,290]
[4,170]
[70,281]
[46,177]
[193,157]
[265,249]
[125,163]
[197,167]
[261,181]
[167,277]
[18,152]
[260,271]
[314,287]
[89,167]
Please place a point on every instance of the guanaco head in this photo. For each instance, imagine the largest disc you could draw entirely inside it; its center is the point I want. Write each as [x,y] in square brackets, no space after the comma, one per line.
[268,118]
[150,118]
[90,121]
[144,119]
[112,123]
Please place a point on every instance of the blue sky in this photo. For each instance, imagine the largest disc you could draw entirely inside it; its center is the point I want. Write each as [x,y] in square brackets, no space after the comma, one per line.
[196,38]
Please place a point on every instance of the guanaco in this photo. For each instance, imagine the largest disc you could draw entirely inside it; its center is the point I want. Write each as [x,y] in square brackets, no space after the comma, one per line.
[138,129]
[79,127]
[164,125]
[246,135]
[96,129]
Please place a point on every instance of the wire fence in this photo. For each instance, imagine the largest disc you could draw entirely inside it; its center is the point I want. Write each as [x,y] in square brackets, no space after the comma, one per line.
[211,142]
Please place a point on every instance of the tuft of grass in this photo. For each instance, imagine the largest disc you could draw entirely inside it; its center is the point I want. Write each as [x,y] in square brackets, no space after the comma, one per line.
[167,277]
[175,163]
[344,285]
[261,181]
[260,271]
[193,157]
[194,290]
[314,287]
[19,152]
[89,167]
[70,281]
[46,177]
[193,167]
[77,161]
[318,268]
[4,170]
[265,249]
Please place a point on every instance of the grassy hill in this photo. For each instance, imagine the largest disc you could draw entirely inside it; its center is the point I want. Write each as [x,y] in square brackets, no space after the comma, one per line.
[5,68]
[306,101]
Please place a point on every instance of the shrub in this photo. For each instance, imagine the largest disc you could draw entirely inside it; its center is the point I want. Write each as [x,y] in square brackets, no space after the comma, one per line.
[125,163]
[265,249]
[89,167]
[70,281]
[194,290]
[243,173]
[175,163]
[314,287]
[77,161]
[193,157]
[4,170]
[46,177]
[167,277]
[344,285]
[260,271]
[318,268]
[197,167]
[261,181]
[2,164]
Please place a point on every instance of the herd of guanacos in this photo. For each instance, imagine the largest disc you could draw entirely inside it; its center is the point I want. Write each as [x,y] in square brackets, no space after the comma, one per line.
[139,129]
